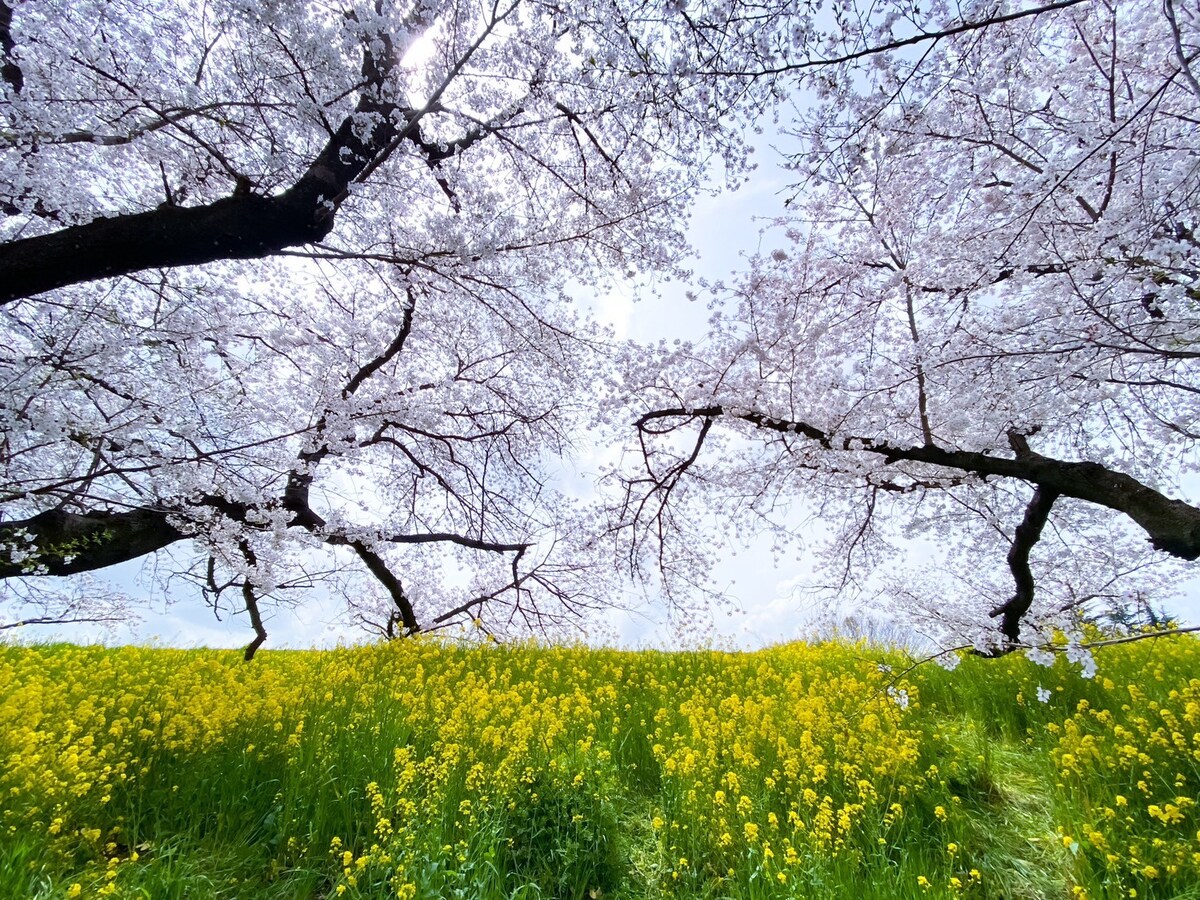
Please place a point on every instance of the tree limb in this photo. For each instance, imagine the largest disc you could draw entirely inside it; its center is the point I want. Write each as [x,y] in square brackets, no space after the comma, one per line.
[56,620]
[57,542]
[901,43]
[251,601]
[241,226]
[1027,534]
[377,567]
[1172,525]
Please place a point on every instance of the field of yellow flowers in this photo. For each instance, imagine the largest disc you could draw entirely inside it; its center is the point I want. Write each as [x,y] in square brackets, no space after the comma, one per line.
[421,769]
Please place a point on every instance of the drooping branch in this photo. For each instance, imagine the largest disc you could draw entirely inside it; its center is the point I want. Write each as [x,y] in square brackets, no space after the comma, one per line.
[1172,525]
[1028,533]
[477,603]
[61,543]
[250,598]
[56,620]
[299,482]
[377,567]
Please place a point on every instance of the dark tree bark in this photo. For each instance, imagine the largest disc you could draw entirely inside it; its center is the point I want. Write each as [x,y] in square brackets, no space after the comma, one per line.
[1172,525]
[250,598]
[63,543]
[9,70]
[1028,533]
[377,567]
[242,226]
[238,227]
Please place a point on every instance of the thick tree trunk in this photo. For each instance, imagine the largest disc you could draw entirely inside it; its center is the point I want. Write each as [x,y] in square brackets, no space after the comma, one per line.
[63,543]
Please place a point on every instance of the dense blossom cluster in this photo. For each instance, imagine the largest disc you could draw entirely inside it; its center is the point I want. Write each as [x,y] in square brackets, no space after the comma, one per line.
[285,281]
[283,277]
[423,769]
[975,324]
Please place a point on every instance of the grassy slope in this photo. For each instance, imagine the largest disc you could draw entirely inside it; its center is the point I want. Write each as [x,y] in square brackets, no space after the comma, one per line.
[419,770]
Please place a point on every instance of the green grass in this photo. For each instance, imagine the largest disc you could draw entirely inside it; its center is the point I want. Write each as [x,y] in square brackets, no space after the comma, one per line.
[427,770]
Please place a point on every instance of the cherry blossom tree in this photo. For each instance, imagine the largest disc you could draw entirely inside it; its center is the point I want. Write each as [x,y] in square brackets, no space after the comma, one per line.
[288,277]
[285,286]
[977,321]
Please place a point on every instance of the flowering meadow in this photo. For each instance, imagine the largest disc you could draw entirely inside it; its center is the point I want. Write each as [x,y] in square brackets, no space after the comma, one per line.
[420,769]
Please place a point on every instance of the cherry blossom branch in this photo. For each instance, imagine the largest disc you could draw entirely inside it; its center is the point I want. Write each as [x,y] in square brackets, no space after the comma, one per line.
[900,44]
[250,598]
[242,226]
[1173,526]
[1027,535]
[435,99]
